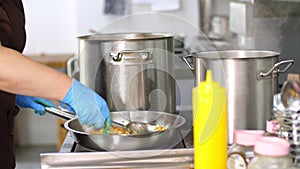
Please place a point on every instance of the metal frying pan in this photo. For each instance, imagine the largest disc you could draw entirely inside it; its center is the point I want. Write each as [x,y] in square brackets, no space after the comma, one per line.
[162,140]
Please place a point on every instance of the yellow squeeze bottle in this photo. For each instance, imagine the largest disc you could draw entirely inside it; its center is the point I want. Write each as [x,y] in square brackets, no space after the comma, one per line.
[210,124]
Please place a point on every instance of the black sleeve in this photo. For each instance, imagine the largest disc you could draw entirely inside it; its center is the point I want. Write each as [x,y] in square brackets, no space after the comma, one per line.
[12,24]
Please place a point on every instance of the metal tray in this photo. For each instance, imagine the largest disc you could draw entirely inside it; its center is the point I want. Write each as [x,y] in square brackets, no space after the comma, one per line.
[163,159]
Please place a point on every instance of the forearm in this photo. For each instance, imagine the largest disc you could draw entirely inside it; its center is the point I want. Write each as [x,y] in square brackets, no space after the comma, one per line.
[21,75]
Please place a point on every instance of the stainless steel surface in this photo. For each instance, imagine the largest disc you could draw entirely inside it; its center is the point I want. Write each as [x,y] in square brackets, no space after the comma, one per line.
[290,95]
[249,95]
[208,9]
[164,140]
[205,13]
[131,71]
[166,159]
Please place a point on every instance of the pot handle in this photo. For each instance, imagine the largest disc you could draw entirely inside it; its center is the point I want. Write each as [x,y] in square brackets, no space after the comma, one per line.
[72,66]
[187,62]
[132,57]
[276,66]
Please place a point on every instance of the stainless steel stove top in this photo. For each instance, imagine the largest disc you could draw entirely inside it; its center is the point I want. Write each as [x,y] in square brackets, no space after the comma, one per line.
[73,155]
[164,159]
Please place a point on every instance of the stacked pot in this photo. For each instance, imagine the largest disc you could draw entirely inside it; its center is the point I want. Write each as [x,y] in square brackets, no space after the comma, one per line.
[131,71]
[251,80]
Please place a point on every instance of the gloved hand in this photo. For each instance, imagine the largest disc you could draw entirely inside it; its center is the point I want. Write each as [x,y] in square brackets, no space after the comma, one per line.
[91,109]
[35,103]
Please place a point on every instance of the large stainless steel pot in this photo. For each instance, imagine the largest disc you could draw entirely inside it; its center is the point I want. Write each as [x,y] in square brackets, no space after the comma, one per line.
[161,140]
[132,71]
[251,80]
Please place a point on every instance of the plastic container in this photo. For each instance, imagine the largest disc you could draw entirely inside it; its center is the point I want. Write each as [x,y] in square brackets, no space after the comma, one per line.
[272,128]
[210,124]
[242,150]
[271,153]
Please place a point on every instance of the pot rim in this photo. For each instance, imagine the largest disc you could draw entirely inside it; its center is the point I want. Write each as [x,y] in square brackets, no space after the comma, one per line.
[127,36]
[237,54]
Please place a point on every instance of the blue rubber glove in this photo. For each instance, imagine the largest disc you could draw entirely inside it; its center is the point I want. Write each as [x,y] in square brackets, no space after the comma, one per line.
[91,109]
[35,103]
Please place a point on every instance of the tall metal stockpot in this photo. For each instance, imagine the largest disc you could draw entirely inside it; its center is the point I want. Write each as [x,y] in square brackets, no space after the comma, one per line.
[132,71]
[251,80]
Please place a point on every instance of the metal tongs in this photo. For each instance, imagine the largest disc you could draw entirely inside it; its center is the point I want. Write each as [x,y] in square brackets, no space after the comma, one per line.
[140,128]
[67,115]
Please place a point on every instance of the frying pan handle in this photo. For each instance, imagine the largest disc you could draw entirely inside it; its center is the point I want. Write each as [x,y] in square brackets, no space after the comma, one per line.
[60,113]
[66,115]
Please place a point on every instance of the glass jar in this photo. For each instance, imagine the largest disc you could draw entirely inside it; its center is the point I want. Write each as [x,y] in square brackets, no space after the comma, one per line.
[271,153]
[243,149]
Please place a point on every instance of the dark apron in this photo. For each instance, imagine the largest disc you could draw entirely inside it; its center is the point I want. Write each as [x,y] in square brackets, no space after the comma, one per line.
[7,113]
[12,35]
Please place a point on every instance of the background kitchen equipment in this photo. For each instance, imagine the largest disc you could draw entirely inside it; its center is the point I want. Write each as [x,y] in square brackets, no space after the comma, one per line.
[290,95]
[268,25]
[132,71]
[265,25]
[160,140]
[287,119]
[251,80]
[208,10]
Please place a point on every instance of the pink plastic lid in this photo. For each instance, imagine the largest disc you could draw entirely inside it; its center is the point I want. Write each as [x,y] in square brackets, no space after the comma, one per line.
[272,146]
[247,137]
